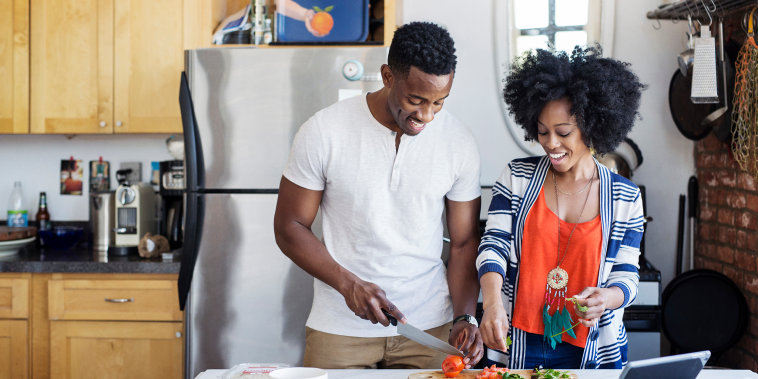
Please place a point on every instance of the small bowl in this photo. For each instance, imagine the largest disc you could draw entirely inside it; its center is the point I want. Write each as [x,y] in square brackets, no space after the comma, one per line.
[299,373]
[60,237]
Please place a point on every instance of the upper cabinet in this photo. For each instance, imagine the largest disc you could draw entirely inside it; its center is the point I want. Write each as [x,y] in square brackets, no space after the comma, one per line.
[109,66]
[14,66]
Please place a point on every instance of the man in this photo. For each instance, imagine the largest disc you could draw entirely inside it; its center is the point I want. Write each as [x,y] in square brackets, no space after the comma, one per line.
[383,168]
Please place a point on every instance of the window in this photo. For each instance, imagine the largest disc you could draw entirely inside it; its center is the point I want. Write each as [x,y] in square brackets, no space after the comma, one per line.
[539,24]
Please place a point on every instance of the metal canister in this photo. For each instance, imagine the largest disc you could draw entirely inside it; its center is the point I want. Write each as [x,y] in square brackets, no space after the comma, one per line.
[102,220]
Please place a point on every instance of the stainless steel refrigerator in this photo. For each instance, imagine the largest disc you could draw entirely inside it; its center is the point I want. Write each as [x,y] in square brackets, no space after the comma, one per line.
[241,107]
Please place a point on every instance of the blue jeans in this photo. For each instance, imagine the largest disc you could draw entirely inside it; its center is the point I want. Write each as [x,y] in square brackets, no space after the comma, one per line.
[539,353]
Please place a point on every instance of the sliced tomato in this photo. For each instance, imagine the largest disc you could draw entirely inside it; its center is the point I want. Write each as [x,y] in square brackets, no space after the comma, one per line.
[452,366]
[492,372]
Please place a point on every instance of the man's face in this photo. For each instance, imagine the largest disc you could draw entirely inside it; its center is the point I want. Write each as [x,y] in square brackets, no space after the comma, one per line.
[414,100]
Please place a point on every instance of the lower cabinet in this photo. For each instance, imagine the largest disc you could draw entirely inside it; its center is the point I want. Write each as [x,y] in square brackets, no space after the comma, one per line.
[96,326]
[113,349]
[14,349]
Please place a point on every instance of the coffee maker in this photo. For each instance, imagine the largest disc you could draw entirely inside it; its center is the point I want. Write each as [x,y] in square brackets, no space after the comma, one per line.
[135,214]
[171,190]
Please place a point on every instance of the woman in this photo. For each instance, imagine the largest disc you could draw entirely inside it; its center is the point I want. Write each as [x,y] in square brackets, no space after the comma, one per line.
[563,231]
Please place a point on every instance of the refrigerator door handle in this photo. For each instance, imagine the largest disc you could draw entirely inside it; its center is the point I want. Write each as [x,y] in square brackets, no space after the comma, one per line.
[193,227]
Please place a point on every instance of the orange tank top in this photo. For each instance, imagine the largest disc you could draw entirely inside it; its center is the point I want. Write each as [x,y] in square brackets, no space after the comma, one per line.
[539,255]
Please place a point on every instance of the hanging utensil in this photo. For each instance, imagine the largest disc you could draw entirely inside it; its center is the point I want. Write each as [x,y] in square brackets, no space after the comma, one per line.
[704,82]
[744,136]
[717,114]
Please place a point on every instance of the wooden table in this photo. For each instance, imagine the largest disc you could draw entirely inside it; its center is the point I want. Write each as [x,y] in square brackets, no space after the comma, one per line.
[582,374]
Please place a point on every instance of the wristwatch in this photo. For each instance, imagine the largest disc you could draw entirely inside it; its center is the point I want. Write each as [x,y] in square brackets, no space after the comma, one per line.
[468,318]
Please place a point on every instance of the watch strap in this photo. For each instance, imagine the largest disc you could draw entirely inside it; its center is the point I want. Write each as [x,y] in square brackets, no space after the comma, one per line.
[468,318]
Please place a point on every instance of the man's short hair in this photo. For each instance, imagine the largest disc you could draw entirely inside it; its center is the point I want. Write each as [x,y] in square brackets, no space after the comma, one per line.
[425,45]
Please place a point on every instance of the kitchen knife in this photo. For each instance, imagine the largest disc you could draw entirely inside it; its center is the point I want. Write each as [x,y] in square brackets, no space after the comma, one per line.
[415,334]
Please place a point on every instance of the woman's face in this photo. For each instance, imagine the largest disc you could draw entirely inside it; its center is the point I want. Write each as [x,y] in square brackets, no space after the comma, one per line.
[559,135]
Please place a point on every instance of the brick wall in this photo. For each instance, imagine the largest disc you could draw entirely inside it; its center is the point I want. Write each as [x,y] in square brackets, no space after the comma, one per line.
[727,235]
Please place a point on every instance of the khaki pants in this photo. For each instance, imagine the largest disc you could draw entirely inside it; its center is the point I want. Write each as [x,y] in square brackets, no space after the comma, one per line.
[331,351]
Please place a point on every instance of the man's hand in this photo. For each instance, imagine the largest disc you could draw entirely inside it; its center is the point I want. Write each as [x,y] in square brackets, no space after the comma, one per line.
[466,338]
[367,300]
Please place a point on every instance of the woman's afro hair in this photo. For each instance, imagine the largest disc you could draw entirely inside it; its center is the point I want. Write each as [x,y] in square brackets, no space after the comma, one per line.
[603,92]
[424,45]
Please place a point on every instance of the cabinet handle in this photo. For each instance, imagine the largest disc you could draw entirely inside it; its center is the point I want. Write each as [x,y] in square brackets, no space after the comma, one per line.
[103,124]
[129,300]
[119,123]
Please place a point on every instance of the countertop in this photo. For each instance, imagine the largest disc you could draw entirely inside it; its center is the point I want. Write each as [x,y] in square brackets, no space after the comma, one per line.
[82,259]
[582,374]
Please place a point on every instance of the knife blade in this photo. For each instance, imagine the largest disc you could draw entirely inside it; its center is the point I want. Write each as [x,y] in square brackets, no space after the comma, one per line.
[415,334]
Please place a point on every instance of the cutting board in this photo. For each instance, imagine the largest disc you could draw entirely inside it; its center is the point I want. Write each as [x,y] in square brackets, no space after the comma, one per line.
[16,233]
[465,374]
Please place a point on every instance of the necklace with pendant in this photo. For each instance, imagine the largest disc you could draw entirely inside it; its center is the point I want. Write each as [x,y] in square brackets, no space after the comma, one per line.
[557,278]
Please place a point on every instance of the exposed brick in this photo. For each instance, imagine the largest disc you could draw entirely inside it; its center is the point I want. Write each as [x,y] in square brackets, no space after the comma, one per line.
[727,179]
[705,231]
[712,265]
[744,260]
[752,241]
[708,179]
[726,216]
[751,285]
[736,200]
[716,197]
[746,182]
[708,213]
[727,234]
[741,239]
[745,220]
[726,254]
[751,202]
[734,273]
[708,250]
[753,304]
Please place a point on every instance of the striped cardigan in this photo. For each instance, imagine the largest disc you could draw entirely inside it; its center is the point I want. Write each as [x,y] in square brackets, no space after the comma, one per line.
[622,225]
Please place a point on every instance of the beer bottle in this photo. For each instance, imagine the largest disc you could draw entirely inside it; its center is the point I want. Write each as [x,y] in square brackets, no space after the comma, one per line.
[43,216]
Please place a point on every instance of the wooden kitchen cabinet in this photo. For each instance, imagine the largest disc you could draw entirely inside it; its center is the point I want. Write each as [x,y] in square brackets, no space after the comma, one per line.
[14,325]
[106,326]
[14,66]
[109,66]
[116,349]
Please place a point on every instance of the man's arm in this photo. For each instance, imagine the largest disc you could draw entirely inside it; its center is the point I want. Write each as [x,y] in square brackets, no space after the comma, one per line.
[463,226]
[296,208]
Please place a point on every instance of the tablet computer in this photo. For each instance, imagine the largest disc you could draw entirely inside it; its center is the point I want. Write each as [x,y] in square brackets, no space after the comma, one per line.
[680,366]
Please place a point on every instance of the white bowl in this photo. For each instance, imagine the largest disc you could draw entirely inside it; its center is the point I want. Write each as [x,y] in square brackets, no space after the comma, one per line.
[298,373]
[13,246]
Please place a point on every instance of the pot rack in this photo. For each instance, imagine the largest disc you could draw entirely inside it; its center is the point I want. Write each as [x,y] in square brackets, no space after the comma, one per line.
[680,9]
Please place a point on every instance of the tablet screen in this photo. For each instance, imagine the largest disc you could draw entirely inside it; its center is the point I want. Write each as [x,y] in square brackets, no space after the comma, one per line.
[681,366]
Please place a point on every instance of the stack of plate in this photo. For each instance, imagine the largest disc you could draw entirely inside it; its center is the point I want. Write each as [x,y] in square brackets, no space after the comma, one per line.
[13,239]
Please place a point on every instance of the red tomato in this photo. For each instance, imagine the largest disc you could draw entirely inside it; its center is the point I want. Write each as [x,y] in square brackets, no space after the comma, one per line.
[452,366]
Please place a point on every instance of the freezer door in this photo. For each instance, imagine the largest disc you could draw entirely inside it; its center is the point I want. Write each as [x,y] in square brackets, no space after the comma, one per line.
[249,103]
[248,301]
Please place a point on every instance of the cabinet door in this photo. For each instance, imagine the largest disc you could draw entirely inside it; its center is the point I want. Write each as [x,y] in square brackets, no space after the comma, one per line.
[150,38]
[118,349]
[14,66]
[72,66]
[14,349]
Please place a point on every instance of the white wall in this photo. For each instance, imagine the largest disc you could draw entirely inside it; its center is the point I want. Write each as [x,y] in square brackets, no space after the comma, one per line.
[35,161]
[668,156]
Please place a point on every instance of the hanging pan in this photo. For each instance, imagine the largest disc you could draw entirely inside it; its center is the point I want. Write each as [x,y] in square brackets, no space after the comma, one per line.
[687,116]
[703,310]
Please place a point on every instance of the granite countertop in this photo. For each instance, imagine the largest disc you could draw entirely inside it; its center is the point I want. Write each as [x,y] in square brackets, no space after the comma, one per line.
[82,259]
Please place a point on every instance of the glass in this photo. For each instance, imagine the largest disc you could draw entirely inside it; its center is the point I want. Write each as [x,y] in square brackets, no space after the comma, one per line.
[571,12]
[567,40]
[524,43]
[530,14]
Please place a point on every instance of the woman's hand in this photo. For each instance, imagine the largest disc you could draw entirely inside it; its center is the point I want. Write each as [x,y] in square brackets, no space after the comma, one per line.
[494,327]
[466,337]
[597,300]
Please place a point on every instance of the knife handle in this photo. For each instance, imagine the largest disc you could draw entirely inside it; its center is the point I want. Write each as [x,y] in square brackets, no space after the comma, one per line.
[392,319]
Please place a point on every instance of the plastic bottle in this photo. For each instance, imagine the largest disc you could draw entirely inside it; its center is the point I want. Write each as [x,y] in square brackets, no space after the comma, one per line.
[17,215]
[43,216]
